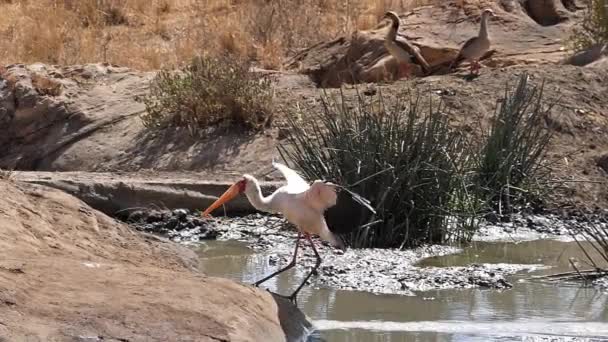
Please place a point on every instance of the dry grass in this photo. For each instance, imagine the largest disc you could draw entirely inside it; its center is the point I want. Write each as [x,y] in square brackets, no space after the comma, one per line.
[593,29]
[210,91]
[46,86]
[10,79]
[149,34]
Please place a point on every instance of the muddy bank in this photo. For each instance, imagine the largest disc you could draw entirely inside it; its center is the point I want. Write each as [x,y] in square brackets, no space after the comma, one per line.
[373,270]
[526,227]
[116,193]
[187,225]
[69,272]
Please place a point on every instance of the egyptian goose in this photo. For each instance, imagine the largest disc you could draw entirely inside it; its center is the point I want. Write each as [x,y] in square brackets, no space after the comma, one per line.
[401,49]
[476,47]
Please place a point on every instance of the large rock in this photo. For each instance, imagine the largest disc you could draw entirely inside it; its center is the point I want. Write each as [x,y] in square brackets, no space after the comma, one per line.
[68,272]
[526,31]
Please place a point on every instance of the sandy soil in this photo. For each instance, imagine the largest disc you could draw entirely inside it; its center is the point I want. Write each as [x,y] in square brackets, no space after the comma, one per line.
[68,272]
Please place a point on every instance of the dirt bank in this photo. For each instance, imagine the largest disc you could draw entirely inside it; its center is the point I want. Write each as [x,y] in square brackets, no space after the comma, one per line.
[85,117]
[439,31]
[68,272]
[113,193]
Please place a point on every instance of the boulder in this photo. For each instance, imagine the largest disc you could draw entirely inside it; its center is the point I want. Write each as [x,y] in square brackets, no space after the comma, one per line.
[69,272]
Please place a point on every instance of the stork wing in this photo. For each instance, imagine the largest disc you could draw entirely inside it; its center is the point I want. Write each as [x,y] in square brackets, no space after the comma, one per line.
[295,183]
[321,195]
[413,51]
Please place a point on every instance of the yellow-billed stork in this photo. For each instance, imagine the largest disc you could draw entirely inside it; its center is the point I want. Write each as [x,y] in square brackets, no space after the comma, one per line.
[300,203]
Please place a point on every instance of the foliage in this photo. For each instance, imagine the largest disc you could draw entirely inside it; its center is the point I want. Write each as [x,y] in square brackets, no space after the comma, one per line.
[593,29]
[149,35]
[406,161]
[591,234]
[510,165]
[595,232]
[428,182]
[209,91]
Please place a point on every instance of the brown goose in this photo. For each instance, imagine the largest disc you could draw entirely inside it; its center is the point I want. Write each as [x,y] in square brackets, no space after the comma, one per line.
[401,49]
[476,47]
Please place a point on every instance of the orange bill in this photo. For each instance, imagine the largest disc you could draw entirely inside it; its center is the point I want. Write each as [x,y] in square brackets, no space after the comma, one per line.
[231,193]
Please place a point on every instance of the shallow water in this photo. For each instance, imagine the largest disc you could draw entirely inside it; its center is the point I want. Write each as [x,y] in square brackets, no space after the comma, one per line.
[530,311]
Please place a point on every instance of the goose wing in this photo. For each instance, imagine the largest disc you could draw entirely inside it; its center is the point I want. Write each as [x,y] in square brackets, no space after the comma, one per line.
[460,56]
[466,46]
[414,51]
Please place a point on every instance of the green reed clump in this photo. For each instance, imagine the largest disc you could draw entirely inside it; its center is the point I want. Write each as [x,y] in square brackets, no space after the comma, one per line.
[428,181]
[510,166]
[405,159]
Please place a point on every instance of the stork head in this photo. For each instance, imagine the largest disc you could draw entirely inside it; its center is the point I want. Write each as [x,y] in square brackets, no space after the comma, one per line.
[233,191]
[392,16]
[487,13]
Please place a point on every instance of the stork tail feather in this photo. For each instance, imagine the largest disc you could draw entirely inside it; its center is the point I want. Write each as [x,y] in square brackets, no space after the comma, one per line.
[332,238]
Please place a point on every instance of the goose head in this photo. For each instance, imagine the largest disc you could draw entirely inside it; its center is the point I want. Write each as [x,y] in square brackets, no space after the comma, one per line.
[487,13]
[392,16]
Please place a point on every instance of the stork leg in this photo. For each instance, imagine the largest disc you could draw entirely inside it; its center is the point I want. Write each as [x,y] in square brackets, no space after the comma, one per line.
[293,296]
[290,265]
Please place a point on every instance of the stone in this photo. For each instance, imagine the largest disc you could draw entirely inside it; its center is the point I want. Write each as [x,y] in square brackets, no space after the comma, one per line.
[172,223]
[181,214]
[154,216]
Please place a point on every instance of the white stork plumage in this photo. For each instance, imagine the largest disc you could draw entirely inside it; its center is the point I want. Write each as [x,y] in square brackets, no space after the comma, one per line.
[300,203]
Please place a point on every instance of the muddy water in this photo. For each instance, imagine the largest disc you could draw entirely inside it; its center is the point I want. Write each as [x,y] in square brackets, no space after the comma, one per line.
[530,311]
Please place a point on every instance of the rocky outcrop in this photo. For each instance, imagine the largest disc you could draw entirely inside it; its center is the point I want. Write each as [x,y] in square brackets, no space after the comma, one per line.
[85,117]
[117,194]
[68,272]
[524,32]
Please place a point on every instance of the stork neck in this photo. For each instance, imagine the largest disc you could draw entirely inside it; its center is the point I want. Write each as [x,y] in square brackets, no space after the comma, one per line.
[483,29]
[255,197]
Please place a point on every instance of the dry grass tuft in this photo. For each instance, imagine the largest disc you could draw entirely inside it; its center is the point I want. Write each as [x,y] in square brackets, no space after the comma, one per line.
[209,92]
[149,34]
[593,29]
[45,85]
